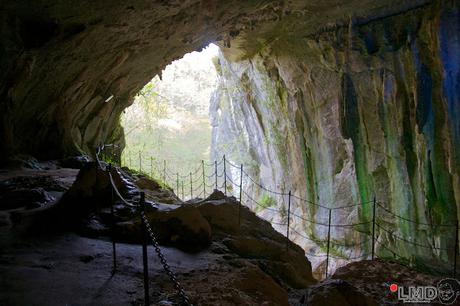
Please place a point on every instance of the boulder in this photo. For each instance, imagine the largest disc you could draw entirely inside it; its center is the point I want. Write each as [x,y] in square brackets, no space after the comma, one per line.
[93,182]
[30,198]
[183,228]
[336,292]
[289,267]
[75,162]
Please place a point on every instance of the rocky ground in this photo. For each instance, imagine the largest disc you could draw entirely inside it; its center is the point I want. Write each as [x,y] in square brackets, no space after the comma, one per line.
[56,228]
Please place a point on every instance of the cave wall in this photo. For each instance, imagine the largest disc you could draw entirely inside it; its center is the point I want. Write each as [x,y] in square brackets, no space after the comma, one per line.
[361,110]
[61,60]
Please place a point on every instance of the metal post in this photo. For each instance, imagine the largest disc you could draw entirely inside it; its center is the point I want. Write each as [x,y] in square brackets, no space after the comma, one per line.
[225,176]
[183,196]
[215,171]
[96,182]
[373,229]
[112,214]
[204,179]
[328,242]
[151,166]
[241,195]
[177,184]
[288,221]
[164,171]
[144,253]
[140,162]
[191,186]
[456,249]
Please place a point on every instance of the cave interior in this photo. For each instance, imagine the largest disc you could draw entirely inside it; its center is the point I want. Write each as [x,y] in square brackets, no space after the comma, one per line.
[344,114]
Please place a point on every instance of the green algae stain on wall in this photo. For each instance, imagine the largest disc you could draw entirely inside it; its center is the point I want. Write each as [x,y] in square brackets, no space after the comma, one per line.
[341,128]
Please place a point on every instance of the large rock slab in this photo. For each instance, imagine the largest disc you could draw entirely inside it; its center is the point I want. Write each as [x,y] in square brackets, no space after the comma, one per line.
[337,293]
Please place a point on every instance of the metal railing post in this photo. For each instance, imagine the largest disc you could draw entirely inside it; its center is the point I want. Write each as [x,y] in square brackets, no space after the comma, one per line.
[456,249]
[241,195]
[225,176]
[144,252]
[164,171]
[328,242]
[112,214]
[183,195]
[177,184]
[373,229]
[140,162]
[288,221]
[215,171]
[151,166]
[204,179]
[191,186]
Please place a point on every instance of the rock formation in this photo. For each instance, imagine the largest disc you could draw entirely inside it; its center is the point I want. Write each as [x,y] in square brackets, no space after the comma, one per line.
[336,101]
[370,108]
[68,70]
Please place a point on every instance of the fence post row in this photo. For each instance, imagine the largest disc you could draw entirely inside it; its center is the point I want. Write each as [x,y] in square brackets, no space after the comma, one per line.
[288,221]
[328,242]
[204,179]
[225,176]
[144,251]
[112,214]
[144,228]
[373,228]
[456,249]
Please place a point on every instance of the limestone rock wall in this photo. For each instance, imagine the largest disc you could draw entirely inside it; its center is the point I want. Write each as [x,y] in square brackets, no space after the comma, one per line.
[367,109]
[61,60]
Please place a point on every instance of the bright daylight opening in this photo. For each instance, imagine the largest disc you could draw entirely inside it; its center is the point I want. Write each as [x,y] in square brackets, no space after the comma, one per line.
[169,119]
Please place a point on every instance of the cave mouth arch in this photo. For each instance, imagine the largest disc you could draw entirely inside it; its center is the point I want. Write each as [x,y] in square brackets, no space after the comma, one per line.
[55,85]
[62,94]
[169,120]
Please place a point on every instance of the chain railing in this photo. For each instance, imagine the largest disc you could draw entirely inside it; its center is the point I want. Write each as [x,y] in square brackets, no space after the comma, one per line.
[220,175]
[148,234]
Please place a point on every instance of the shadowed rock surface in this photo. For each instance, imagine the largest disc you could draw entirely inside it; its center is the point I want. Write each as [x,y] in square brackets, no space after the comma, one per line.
[227,265]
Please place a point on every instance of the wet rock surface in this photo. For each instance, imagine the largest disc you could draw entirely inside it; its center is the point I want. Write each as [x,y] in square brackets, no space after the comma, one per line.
[345,115]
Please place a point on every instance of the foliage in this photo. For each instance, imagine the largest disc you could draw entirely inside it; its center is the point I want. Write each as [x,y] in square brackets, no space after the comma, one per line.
[169,117]
[266,201]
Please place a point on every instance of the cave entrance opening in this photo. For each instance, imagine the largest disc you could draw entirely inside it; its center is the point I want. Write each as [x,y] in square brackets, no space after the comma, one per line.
[169,119]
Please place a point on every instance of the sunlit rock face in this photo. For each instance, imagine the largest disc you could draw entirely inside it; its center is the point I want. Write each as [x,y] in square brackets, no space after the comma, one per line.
[361,110]
[60,61]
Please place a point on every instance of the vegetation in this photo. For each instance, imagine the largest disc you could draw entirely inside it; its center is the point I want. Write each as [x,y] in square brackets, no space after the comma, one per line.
[168,120]
[265,201]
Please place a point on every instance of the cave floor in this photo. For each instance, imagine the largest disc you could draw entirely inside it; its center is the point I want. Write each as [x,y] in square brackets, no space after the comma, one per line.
[67,269]
[39,267]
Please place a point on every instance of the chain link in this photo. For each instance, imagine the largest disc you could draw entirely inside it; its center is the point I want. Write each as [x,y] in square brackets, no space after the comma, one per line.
[166,267]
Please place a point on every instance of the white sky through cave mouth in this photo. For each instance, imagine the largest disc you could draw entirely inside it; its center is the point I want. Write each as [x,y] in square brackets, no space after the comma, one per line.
[169,119]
